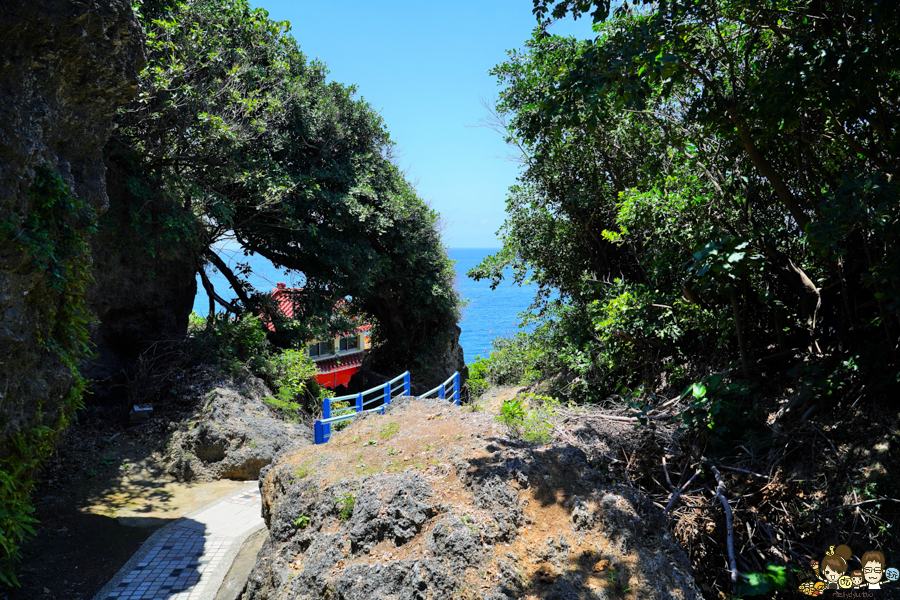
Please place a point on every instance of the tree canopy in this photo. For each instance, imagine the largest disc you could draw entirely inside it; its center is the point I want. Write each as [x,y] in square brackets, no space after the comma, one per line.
[706,182]
[236,134]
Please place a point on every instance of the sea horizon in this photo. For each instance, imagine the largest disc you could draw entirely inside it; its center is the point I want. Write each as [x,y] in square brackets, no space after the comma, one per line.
[486,315]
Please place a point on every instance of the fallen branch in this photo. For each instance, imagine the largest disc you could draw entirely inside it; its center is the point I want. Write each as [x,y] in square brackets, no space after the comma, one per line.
[819,431]
[728,524]
[677,493]
[621,419]
[745,471]
[834,508]
[666,471]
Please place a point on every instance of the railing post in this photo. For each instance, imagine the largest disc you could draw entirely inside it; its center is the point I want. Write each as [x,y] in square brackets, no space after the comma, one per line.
[442,393]
[387,393]
[406,384]
[456,388]
[320,432]
[359,401]
[326,414]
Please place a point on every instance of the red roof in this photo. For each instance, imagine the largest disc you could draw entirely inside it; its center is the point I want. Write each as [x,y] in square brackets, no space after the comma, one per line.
[283,296]
[330,365]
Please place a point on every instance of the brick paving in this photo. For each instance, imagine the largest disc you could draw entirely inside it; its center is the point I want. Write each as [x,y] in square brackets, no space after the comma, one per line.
[190,560]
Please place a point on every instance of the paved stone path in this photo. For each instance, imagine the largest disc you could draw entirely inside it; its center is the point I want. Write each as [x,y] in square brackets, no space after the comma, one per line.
[188,560]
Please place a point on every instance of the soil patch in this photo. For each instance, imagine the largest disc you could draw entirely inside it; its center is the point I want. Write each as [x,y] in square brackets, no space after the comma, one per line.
[435,500]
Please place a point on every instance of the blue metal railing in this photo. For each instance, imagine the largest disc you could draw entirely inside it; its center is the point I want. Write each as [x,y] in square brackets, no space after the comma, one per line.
[384,393]
[442,389]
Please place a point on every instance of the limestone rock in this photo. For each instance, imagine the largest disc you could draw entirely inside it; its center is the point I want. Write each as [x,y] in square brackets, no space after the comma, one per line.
[233,436]
[65,68]
[500,520]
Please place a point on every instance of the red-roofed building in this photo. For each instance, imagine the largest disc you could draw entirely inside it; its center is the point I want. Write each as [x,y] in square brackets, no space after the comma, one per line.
[338,358]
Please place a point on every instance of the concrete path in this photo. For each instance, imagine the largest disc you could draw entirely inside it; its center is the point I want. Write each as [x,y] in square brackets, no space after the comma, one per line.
[188,560]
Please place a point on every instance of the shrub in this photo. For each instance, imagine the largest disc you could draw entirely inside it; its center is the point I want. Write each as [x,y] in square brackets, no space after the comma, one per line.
[721,411]
[349,502]
[533,425]
[514,360]
[512,415]
[293,374]
[238,345]
[234,344]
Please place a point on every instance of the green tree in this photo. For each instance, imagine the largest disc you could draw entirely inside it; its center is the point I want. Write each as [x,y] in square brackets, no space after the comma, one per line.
[237,135]
[706,179]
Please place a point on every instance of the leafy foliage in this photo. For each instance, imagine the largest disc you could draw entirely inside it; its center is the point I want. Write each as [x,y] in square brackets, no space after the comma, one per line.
[349,502]
[721,411]
[54,235]
[239,345]
[707,188]
[512,416]
[775,577]
[512,360]
[236,128]
[531,425]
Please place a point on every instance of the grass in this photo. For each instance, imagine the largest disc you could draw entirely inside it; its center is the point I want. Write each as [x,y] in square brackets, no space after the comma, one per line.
[303,470]
[390,429]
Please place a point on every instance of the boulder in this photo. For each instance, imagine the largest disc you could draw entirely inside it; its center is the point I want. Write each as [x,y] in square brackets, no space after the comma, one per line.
[233,435]
[431,501]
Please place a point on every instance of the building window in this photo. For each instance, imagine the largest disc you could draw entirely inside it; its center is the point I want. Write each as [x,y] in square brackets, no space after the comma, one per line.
[349,343]
[321,349]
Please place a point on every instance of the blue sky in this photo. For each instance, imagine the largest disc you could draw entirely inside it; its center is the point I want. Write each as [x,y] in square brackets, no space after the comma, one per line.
[424,66]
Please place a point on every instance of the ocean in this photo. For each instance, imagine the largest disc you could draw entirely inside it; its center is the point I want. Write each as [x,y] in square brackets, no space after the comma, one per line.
[487,314]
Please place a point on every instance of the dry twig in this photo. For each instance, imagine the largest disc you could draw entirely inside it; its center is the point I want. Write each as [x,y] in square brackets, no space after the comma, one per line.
[677,493]
[728,524]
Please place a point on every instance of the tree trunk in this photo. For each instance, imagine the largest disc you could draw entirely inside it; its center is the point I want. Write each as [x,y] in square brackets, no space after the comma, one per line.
[740,334]
[229,275]
[767,170]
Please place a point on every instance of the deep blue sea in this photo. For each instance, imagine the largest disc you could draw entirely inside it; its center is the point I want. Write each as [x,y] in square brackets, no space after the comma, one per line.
[488,314]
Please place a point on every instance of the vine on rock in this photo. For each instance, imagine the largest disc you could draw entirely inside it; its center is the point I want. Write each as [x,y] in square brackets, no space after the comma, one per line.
[54,235]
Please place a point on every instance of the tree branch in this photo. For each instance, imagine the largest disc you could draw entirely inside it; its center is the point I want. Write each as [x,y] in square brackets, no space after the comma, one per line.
[720,495]
[768,171]
[233,281]
[677,493]
[213,295]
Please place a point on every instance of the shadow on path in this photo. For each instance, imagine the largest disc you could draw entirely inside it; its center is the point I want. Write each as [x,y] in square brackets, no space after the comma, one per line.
[171,568]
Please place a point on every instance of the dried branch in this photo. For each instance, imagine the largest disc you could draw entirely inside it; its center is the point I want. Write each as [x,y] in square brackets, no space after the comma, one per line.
[834,508]
[728,524]
[744,471]
[677,493]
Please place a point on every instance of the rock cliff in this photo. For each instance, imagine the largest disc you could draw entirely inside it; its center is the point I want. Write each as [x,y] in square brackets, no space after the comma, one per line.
[443,359]
[144,286]
[432,501]
[65,67]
